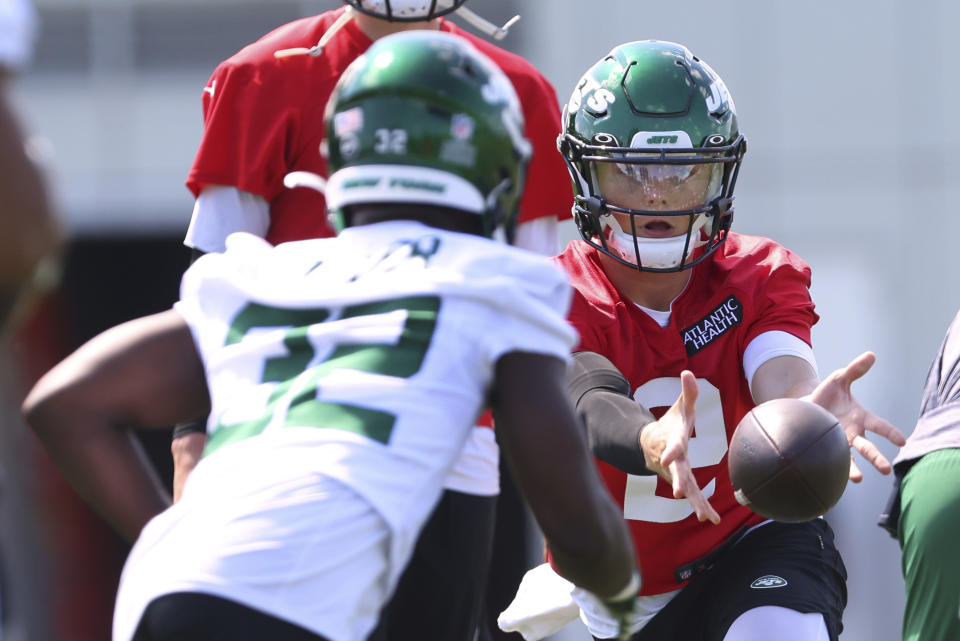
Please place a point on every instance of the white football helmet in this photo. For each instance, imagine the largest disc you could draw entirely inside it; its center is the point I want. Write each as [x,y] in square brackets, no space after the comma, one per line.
[406,10]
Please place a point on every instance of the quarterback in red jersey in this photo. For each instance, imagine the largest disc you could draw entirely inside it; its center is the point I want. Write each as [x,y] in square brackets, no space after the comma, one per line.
[263,119]
[263,116]
[684,327]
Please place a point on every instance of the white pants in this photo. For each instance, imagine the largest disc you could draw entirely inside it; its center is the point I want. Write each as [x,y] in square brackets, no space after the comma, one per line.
[310,551]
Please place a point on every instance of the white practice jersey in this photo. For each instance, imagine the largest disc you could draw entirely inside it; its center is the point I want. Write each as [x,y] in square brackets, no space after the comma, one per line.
[359,362]
[371,352]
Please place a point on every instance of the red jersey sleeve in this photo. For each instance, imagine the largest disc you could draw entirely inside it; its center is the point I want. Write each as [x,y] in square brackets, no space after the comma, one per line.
[245,130]
[782,302]
[548,191]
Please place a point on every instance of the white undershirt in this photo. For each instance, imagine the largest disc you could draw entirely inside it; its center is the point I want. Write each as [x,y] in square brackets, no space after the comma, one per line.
[221,210]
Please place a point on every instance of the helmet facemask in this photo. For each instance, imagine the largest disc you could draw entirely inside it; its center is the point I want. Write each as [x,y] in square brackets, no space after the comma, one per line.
[406,10]
[687,188]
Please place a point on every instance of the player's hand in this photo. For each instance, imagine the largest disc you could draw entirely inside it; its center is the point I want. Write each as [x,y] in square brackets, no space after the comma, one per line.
[833,394]
[664,443]
[187,450]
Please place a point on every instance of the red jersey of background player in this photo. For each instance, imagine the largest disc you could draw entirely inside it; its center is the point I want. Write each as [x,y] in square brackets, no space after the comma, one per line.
[749,287]
[263,118]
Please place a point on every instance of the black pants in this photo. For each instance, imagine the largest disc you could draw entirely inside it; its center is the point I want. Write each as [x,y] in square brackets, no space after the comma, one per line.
[193,616]
[793,565]
[440,594]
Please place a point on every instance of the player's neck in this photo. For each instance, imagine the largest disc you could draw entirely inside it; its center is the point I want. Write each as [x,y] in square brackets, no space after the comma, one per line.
[648,289]
[374,28]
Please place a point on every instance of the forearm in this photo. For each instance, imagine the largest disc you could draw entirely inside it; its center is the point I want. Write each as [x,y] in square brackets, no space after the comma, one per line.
[783,377]
[105,465]
[596,554]
[143,374]
[614,421]
[545,448]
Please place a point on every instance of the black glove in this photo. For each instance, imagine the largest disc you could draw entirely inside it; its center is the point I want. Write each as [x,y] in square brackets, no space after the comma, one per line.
[623,605]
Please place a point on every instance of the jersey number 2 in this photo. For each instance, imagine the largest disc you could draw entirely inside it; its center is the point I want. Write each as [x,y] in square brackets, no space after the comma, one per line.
[708,447]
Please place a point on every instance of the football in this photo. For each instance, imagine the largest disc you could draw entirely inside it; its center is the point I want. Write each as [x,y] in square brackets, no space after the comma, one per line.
[789,460]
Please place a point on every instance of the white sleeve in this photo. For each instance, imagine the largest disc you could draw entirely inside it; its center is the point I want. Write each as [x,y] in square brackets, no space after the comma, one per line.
[770,345]
[529,309]
[17,30]
[220,211]
[541,236]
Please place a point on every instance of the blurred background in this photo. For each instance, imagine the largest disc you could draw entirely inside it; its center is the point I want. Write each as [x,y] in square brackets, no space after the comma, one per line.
[849,111]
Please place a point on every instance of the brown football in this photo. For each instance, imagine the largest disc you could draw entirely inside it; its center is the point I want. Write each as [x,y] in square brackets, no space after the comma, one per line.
[789,460]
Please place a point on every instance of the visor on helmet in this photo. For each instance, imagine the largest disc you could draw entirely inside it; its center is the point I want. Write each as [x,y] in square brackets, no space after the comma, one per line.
[660,187]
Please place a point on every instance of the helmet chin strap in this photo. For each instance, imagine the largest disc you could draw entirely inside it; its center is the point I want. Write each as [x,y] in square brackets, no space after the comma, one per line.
[474,20]
[652,252]
[317,49]
[484,25]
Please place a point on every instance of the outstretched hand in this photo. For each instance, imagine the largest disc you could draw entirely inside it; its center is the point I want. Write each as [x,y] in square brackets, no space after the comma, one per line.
[665,443]
[833,394]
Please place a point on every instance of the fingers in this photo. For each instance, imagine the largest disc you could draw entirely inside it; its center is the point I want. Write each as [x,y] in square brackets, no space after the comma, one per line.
[673,451]
[855,474]
[186,450]
[886,429]
[684,412]
[688,390]
[858,367]
[870,452]
[685,486]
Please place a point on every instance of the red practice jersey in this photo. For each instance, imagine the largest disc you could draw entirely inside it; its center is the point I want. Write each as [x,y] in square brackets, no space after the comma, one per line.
[750,286]
[263,118]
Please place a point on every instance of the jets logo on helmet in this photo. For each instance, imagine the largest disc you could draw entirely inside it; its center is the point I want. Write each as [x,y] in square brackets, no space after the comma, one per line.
[719,100]
[654,117]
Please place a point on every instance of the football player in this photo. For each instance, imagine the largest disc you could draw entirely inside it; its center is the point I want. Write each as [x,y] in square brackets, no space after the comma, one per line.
[676,311]
[342,377]
[28,229]
[262,119]
[926,502]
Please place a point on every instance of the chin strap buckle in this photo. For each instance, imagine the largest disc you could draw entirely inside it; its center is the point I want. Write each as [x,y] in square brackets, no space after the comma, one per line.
[721,206]
[596,206]
[317,49]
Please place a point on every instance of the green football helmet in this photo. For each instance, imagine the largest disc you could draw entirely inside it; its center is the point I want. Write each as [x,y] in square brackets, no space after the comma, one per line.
[424,117]
[659,120]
